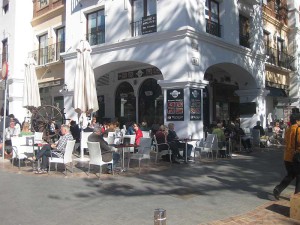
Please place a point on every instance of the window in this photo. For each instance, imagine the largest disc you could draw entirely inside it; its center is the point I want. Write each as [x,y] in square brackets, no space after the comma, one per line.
[96,27]
[266,38]
[4,51]
[43,3]
[60,41]
[212,18]
[5,6]
[43,49]
[141,9]
[277,4]
[244,24]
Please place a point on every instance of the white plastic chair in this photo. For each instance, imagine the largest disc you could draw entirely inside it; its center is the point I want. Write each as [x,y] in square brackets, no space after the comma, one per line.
[207,146]
[166,149]
[19,150]
[83,142]
[38,137]
[146,134]
[143,151]
[131,139]
[96,157]
[65,159]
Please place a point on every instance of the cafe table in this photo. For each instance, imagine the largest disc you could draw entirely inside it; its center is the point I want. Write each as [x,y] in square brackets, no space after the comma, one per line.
[186,140]
[122,147]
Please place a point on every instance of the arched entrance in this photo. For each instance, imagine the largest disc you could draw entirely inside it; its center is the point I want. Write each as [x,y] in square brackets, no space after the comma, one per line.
[150,102]
[125,102]
[222,102]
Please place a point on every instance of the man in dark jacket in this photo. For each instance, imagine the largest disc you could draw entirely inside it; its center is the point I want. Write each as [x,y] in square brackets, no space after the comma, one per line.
[106,151]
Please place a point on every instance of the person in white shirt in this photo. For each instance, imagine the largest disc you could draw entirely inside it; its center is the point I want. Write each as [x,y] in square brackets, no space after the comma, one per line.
[11,131]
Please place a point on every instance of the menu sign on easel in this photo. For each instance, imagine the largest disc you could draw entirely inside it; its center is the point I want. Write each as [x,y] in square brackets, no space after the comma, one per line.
[175,105]
[195,104]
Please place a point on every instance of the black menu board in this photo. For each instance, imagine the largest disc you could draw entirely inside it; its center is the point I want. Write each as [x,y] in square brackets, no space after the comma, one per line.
[195,104]
[149,24]
[175,105]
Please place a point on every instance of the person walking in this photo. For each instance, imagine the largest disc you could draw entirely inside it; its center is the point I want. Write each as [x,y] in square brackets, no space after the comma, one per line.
[292,141]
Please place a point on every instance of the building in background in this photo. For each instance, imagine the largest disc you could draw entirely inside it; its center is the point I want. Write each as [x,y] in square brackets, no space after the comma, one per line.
[15,43]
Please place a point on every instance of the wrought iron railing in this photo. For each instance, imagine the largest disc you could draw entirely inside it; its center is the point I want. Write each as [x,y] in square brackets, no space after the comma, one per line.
[213,28]
[245,40]
[136,28]
[48,54]
[97,37]
[279,58]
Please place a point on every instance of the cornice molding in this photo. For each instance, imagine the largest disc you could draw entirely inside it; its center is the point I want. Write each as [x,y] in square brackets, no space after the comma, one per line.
[168,36]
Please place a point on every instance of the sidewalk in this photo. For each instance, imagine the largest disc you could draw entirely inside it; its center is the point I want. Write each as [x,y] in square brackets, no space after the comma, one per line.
[226,191]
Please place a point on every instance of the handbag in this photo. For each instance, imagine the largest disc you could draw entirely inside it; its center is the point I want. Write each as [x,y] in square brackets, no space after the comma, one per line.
[296,157]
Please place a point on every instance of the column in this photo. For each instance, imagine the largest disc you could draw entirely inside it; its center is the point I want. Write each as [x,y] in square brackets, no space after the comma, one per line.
[183,106]
[259,97]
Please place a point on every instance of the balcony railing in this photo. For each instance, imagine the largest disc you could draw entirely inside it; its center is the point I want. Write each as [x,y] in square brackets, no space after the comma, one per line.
[244,40]
[136,28]
[48,54]
[279,58]
[213,28]
[96,38]
[278,12]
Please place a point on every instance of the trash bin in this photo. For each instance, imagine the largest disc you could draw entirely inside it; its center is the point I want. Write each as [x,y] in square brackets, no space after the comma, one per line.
[160,217]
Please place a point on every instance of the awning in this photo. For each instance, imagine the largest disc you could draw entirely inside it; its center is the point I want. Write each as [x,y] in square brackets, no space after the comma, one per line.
[276,92]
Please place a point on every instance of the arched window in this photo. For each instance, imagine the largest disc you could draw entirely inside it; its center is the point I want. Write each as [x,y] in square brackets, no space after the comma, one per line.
[150,102]
[125,102]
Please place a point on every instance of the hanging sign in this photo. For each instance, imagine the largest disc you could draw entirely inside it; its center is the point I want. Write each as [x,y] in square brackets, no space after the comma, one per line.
[4,70]
[195,104]
[175,105]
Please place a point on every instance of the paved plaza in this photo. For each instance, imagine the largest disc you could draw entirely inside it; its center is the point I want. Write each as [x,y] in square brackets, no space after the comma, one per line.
[226,191]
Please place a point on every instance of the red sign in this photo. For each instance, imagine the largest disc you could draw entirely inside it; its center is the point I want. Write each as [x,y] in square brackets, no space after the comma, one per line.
[4,70]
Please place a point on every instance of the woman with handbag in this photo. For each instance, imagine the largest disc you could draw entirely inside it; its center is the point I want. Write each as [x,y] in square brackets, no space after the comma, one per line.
[292,165]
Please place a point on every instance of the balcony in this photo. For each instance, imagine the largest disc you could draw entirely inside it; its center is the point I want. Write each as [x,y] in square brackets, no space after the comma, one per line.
[213,28]
[245,40]
[97,37]
[49,5]
[278,12]
[48,54]
[136,28]
[147,25]
[279,58]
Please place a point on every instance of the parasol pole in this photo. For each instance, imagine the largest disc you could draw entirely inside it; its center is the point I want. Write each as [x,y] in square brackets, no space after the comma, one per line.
[4,119]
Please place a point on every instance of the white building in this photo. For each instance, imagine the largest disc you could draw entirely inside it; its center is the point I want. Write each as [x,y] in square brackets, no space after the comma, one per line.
[213,47]
[16,42]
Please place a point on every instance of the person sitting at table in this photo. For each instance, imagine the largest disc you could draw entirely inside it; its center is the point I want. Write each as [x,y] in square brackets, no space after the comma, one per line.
[245,140]
[54,150]
[161,139]
[106,151]
[173,141]
[138,133]
[221,138]
[11,131]
[26,129]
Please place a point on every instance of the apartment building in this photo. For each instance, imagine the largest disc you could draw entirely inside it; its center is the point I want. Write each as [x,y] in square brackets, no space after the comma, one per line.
[15,43]
[48,40]
[281,38]
[189,62]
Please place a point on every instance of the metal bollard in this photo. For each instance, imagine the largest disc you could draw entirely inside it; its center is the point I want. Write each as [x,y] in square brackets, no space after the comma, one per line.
[160,217]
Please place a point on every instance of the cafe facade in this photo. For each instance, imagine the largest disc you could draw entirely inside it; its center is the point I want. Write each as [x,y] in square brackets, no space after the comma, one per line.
[164,69]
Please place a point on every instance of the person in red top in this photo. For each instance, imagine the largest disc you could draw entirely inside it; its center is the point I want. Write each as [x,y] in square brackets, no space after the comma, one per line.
[138,133]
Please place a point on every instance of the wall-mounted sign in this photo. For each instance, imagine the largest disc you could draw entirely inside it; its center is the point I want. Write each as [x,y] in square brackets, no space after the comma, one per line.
[175,105]
[195,104]
[4,70]
[149,24]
